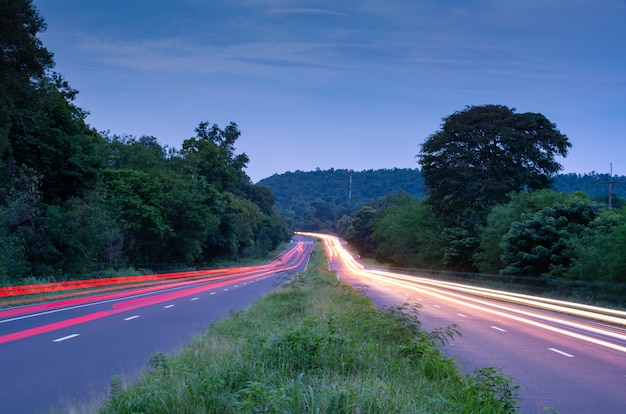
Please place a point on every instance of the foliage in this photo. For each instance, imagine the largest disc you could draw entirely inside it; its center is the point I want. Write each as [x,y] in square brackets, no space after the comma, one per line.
[488,257]
[73,200]
[407,233]
[316,200]
[540,241]
[360,232]
[482,154]
[598,266]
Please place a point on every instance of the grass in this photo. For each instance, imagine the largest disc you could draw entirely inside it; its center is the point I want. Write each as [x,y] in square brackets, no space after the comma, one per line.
[314,346]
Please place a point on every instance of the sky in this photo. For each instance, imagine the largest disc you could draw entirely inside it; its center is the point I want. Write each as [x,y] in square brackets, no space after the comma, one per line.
[344,84]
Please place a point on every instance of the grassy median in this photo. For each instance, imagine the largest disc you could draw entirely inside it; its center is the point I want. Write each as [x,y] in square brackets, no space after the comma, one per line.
[314,346]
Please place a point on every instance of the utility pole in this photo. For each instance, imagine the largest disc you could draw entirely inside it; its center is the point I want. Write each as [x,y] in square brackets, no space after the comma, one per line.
[350,191]
[610,183]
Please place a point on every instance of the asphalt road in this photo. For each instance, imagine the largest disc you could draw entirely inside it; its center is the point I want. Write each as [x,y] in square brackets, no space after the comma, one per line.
[562,363]
[62,358]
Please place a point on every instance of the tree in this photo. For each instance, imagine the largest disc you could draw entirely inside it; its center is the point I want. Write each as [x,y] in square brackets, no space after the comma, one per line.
[407,233]
[488,258]
[360,231]
[541,242]
[482,154]
[40,127]
[212,154]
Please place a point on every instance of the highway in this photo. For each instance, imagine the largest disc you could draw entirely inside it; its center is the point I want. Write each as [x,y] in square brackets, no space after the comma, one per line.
[60,356]
[566,357]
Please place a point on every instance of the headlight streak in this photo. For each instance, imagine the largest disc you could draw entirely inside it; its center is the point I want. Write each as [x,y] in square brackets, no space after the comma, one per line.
[335,249]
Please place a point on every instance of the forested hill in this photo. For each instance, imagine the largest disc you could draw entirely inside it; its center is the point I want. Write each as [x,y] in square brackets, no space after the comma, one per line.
[301,189]
[299,194]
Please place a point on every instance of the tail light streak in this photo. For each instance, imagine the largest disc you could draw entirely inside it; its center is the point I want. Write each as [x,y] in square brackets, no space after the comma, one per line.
[192,283]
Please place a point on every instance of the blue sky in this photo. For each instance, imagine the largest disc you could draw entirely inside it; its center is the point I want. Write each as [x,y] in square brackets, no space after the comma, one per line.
[344,84]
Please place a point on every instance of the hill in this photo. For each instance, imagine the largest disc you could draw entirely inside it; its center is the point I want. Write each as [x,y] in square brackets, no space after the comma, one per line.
[325,194]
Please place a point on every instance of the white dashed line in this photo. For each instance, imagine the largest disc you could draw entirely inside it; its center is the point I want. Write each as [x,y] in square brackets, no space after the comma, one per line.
[169,306]
[212,293]
[130,318]
[66,338]
[461,315]
[498,329]
[225,289]
[236,286]
[561,352]
[437,306]
[195,298]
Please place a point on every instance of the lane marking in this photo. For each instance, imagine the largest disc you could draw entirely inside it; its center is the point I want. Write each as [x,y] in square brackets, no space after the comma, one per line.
[461,315]
[196,298]
[66,338]
[168,306]
[498,329]
[437,306]
[212,293]
[225,289]
[558,351]
[236,286]
[130,318]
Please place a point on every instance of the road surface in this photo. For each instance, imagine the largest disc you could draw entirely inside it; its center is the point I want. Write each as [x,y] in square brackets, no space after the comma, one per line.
[565,357]
[62,355]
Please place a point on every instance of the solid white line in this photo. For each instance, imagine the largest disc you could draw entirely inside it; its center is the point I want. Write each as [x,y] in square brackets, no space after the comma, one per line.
[561,352]
[195,298]
[499,329]
[169,306]
[66,337]
[461,315]
[130,318]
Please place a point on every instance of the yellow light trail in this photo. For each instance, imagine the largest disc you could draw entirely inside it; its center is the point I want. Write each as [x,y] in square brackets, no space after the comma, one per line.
[335,249]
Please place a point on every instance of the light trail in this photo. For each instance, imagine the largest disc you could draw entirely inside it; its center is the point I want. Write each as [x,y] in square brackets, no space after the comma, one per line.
[476,298]
[190,285]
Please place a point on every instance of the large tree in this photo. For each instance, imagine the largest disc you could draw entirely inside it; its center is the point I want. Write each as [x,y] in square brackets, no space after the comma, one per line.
[482,154]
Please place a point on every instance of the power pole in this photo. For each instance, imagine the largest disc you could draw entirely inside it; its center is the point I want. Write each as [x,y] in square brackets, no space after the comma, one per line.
[610,183]
[350,191]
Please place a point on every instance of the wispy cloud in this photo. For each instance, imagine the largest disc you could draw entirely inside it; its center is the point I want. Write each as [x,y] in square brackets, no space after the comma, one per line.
[303,12]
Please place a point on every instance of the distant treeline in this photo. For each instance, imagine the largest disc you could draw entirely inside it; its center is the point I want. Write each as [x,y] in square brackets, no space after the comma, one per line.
[315,200]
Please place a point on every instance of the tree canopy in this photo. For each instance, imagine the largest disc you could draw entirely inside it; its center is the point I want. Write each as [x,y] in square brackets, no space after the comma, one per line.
[73,200]
[482,154]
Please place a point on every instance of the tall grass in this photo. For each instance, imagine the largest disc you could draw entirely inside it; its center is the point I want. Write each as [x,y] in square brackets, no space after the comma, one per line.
[314,346]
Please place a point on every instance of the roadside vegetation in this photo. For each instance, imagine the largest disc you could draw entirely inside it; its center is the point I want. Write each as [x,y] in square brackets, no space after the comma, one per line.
[314,346]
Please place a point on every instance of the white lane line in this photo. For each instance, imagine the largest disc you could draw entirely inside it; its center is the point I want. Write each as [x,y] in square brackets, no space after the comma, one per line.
[130,318]
[195,298]
[498,329]
[212,293]
[169,306]
[65,338]
[561,352]
[461,315]
[225,289]
[437,306]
